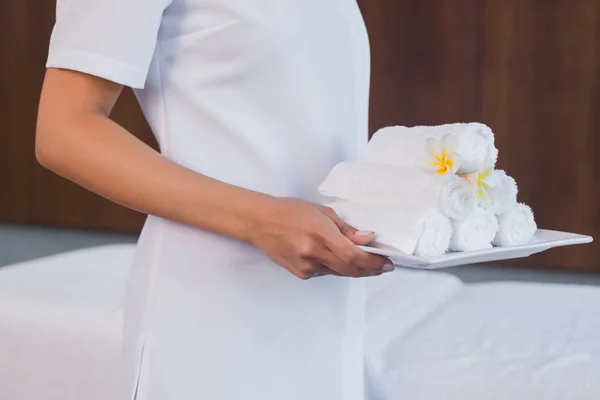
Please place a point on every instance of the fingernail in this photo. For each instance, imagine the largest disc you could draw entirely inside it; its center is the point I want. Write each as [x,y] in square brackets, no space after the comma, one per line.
[364,233]
[388,268]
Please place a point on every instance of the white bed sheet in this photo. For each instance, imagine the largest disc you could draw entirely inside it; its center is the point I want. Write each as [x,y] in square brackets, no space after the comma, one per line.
[60,325]
[429,336]
[495,341]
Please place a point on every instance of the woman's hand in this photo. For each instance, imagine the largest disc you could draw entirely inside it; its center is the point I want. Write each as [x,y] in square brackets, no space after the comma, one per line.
[310,240]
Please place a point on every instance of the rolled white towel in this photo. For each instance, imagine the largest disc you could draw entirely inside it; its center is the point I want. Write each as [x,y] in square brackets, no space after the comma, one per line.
[378,184]
[486,132]
[516,226]
[476,232]
[500,193]
[422,232]
[401,145]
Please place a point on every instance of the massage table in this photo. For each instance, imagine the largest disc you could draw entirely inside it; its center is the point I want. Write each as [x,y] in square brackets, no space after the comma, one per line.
[60,325]
[428,337]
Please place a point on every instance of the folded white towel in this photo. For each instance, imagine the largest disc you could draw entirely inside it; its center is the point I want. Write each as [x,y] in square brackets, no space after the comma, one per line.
[422,232]
[476,232]
[401,145]
[516,226]
[501,193]
[486,132]
[378,184]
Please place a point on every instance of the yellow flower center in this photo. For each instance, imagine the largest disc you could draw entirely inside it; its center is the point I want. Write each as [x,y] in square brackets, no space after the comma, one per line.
[443,163]
[482,186]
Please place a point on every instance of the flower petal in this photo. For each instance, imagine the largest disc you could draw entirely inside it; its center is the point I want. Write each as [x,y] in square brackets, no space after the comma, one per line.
[454,161]
[484,198]
[433,147]
[471,178]
[449,143]
[427,164]
[491,179]
[485,173]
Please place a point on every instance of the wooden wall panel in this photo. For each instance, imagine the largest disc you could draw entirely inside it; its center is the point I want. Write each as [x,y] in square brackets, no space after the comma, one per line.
[29,193]
[425,64]
[541,95]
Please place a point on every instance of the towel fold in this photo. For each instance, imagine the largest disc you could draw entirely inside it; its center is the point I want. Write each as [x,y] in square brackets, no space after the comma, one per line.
[516,226]
[401,145]
[501,196]
[486,132]
[378,184]
[476,232]
[422,232]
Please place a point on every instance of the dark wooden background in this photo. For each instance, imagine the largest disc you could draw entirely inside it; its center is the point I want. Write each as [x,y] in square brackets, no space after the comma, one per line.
[528,68]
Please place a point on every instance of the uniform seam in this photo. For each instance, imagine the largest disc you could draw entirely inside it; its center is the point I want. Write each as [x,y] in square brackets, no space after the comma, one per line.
[163,109]
[160,221]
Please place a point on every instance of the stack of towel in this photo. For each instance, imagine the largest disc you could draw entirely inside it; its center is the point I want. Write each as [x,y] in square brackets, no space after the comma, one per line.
[428,189]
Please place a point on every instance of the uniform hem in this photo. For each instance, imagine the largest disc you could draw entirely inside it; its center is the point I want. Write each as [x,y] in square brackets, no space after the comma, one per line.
[97,65]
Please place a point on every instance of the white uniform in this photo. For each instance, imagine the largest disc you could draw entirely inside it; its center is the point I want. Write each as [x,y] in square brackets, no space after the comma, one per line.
[263,94]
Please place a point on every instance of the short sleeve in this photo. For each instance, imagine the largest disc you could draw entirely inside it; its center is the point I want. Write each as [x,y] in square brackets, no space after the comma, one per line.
[111,39]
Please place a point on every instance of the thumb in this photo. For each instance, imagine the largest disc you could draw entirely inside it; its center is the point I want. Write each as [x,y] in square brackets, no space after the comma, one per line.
[360,238]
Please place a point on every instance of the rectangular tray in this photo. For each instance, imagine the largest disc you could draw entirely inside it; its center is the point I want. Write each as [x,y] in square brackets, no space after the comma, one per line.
[543,240]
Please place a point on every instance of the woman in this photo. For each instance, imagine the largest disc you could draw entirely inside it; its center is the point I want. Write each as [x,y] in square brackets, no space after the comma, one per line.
[252,102]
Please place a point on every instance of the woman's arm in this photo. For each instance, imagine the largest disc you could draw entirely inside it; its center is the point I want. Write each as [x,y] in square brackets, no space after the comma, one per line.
[76,139]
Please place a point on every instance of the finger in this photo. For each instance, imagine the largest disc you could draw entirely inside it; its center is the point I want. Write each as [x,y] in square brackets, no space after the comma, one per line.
[293,269]
[329,260]
[326,258]
[360,238]
[333,263]
[318,265]
[353,256]
[347,251]
[315,269]
[327,271]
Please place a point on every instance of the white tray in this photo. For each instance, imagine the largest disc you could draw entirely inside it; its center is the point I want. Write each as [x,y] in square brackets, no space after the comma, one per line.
[543,240]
